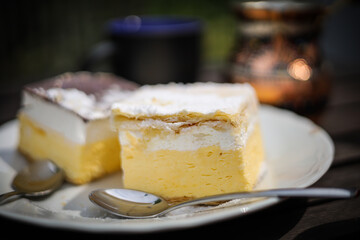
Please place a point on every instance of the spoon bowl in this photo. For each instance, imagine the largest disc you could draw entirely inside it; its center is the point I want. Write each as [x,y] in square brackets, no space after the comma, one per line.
[129,203]
[137,204]
[38,179]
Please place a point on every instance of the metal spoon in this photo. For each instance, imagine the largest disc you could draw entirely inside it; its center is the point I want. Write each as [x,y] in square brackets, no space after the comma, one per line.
[137,204]
[37,179]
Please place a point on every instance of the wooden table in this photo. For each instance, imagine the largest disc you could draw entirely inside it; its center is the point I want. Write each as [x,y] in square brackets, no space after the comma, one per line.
[291,219]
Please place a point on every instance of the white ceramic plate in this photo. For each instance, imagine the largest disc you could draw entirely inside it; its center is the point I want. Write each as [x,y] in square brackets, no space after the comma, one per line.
[298,153]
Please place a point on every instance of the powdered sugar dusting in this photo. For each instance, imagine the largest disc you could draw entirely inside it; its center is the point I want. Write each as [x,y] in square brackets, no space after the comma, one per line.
[202,98]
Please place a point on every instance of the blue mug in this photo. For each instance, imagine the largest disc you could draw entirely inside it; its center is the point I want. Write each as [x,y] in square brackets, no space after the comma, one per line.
[151,49]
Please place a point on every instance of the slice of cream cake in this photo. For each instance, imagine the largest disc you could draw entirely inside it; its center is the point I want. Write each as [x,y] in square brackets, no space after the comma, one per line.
[188,141]
[66,119]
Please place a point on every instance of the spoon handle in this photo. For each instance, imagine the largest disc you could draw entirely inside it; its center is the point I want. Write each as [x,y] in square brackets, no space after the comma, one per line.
[285,192]
[6,196]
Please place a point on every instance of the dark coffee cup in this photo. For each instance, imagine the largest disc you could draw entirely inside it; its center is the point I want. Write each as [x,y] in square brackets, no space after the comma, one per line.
[150,50]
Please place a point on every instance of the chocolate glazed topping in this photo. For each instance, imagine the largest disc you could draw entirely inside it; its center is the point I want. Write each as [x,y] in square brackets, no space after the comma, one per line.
[90,83]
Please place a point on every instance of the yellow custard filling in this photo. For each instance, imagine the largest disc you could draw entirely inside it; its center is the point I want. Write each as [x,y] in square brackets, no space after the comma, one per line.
[81,162]
[179,175]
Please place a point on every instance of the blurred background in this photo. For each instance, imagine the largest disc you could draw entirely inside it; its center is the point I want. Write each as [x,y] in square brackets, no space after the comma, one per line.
[43,38]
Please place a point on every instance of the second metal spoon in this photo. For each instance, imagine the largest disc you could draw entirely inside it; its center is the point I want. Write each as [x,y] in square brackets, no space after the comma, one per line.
[37,179]
[137,204]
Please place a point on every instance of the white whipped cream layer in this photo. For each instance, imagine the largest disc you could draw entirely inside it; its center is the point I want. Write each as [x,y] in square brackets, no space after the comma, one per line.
[193,137]
[65,122]
[190,140]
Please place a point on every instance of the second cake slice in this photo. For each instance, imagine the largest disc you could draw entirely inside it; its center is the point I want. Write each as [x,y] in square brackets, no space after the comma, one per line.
[66,119]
